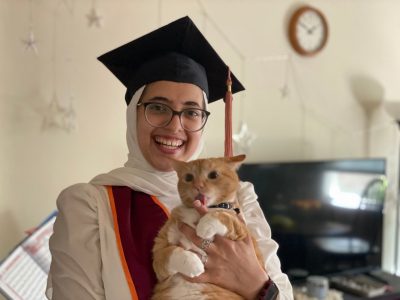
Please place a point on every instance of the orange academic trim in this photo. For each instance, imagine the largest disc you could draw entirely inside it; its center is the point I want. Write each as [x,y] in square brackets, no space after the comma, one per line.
[120,249]
[158,202]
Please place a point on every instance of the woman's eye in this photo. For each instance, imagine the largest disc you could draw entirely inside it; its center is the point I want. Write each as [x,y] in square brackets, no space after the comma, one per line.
[192,113]
[213,175]
[189,177]
[154,107]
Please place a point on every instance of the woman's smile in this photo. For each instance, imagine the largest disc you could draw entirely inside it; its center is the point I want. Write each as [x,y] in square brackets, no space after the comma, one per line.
[159,144]
[169,145]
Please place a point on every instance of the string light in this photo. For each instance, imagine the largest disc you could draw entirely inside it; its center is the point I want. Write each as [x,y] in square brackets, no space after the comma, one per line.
[30,42]
[69,5]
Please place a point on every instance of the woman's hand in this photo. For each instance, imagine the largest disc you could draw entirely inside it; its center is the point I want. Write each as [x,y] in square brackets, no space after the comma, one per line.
[231,264]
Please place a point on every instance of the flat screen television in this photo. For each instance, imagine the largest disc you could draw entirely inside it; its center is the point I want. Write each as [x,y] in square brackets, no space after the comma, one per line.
[325,215]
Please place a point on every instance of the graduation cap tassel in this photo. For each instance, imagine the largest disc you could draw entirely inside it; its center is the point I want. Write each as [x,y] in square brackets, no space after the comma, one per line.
[228,116]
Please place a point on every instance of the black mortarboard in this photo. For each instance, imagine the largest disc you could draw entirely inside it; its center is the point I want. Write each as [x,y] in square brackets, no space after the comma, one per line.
[175,52]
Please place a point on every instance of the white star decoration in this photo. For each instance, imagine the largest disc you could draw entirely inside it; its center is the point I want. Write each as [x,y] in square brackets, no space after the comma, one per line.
[69,120]
[94,18]
[59,117]
[284,91]
[53,114]
[30,42]
[244,138]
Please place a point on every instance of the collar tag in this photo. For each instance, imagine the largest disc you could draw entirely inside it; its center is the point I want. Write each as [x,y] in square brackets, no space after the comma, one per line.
[225,205]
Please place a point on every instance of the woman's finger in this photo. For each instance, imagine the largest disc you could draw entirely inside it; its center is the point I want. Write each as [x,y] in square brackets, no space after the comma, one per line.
[190,233]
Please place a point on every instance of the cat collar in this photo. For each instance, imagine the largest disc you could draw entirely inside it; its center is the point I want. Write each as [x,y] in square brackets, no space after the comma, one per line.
[225,205]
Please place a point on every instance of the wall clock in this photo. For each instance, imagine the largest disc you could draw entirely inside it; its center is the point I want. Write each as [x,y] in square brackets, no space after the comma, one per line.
[308,30]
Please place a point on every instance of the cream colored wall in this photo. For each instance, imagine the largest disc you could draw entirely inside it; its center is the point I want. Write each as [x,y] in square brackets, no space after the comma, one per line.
[322,117]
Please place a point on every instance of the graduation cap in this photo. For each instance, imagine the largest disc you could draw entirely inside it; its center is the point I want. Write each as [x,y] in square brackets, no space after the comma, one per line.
[176,52]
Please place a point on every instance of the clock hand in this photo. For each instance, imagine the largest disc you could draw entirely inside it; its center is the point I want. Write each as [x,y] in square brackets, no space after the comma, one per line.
[313,28]
[308,29]
[304,26]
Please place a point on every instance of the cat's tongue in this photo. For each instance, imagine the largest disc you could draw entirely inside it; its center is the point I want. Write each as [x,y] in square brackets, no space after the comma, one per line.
[202,198]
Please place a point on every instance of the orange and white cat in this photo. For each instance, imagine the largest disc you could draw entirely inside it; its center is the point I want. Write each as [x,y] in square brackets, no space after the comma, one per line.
[215,182]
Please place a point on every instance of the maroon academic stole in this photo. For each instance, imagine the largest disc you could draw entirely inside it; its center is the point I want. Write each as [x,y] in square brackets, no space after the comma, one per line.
[137,219]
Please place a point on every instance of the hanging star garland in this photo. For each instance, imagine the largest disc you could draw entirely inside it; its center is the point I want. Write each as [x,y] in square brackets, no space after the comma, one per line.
[284,91]
[69,119]
[30,43]
[58,117]
[94,19]
[53,115]
[244,138]
[69,5]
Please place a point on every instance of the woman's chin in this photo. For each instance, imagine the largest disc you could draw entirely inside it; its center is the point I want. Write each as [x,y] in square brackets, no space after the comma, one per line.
[163,165]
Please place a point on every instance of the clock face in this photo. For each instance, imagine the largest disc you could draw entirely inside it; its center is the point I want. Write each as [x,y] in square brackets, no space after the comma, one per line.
[308,31]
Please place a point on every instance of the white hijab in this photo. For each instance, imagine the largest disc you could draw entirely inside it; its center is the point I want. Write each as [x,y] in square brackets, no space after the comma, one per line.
[137,173]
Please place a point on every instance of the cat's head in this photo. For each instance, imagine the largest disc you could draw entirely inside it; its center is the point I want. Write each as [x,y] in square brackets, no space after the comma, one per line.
[211,180]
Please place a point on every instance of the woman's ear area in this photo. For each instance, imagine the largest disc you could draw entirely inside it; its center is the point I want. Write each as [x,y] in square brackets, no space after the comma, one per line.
[145,91]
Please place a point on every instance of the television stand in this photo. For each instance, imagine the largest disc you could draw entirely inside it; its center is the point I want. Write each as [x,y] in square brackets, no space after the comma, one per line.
[376,285]
[381,278]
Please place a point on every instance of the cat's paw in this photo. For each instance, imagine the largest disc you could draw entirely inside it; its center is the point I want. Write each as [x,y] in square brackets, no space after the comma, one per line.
[209,226]
[186,263]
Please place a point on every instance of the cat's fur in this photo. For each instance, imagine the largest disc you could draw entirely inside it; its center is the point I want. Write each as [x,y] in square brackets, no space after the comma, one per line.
[173,254]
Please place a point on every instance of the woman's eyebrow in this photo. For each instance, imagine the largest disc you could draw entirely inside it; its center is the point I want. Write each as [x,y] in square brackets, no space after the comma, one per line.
[191,103]
[159,98]
[165,99]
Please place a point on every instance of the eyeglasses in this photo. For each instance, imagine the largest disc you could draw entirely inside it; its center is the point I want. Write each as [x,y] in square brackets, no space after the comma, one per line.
[160,115]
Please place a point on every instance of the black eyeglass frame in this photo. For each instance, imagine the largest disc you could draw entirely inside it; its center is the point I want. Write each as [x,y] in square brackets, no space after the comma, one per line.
[174,113]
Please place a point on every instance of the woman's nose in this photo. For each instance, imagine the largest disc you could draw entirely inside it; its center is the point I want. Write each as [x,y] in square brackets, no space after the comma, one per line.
[175,123]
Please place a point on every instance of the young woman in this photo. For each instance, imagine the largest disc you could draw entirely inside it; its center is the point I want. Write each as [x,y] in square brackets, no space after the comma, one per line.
[103,235]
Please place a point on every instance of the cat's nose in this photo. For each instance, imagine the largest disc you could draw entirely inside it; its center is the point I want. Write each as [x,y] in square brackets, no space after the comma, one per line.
[198,185]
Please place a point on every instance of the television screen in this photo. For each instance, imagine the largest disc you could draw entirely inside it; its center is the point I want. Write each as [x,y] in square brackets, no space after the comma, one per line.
[325,215]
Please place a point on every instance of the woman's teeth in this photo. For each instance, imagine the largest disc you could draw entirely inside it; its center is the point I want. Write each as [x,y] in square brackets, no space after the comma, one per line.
[169,143]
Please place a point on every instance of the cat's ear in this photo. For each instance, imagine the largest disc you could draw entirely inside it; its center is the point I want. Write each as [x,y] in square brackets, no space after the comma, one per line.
[176,164]
[236,161]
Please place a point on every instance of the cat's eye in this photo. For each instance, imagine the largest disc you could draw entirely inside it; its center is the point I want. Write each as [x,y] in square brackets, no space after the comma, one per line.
[213,175]
[189,177]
